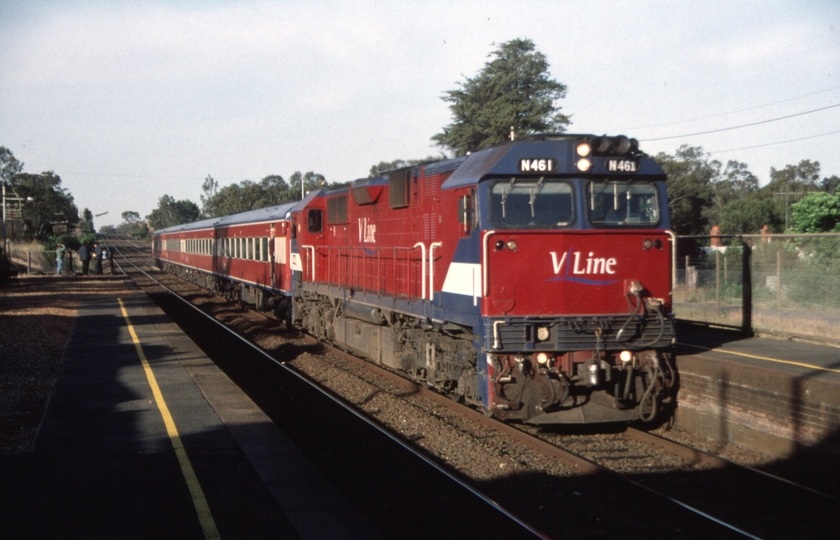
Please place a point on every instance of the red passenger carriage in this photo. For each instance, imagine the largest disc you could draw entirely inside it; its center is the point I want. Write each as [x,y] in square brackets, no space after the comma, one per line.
[243,256]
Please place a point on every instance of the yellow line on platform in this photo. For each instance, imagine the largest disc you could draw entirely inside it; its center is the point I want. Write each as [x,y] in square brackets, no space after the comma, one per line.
[199,501]
[765,358]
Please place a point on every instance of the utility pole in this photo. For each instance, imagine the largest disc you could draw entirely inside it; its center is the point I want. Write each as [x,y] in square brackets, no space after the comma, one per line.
[14,212]
[787,194]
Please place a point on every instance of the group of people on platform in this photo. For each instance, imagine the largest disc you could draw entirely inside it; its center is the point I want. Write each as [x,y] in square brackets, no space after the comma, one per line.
[87,253]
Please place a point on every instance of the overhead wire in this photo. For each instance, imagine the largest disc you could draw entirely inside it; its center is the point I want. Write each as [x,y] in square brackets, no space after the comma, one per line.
[736,111]
[774,143]
[740,126]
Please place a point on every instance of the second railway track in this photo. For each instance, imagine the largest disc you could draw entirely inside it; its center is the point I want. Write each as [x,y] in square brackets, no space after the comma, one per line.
[652,491]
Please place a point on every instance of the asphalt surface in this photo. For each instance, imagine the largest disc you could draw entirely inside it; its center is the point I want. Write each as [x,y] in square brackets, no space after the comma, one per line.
[106,465]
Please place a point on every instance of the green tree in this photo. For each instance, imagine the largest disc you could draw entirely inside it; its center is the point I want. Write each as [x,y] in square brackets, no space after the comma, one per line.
[246,195]
[690,175]
[384,166]
[791,184]
[311,181]
[512,92]
[816,213]
[9,166]
[275,191]
[86,224]
[171,212]
[46,203]
[749,215]
[232,199]
[208,190]
[133,226]
[805,176]
[830,184]
[735,183]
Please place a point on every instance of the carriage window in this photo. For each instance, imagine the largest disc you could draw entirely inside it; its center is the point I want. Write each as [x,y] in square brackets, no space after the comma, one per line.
[622,204]
[531,203]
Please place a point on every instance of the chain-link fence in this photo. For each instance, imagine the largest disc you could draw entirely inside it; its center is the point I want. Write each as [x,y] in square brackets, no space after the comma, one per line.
[774,283]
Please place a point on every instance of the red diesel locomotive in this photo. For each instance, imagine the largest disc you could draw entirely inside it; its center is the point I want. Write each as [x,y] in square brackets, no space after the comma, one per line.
[530,279]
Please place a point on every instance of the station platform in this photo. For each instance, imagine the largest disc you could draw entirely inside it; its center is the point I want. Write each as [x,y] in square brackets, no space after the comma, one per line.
[144,437]
[773,395]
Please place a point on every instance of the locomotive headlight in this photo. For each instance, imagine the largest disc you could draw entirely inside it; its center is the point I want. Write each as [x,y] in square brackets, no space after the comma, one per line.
[584,164]
[584,149]
[648,243]
[511,245]
[542,333]
[625,356]
[543,358]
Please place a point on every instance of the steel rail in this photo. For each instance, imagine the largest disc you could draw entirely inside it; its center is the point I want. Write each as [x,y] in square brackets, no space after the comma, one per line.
[704,458]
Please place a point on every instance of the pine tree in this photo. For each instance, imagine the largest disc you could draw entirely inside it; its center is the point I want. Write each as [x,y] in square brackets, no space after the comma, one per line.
[512,92]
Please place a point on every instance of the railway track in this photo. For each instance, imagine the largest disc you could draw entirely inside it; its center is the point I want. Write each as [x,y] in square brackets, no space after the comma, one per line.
[663,486]
[405,493]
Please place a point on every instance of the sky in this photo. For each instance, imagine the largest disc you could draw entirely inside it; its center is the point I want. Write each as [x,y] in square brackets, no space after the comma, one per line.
[130,101]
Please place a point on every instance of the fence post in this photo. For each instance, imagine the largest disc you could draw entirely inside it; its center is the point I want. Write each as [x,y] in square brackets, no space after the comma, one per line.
[725,270]
[779,283]
[746,288]
[717,279]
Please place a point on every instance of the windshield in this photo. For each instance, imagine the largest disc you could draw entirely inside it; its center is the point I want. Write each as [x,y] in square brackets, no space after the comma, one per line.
[531,203]
[622,204]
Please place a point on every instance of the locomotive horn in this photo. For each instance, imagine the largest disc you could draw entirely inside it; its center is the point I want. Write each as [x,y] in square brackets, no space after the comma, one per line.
[601,144]
[621,144]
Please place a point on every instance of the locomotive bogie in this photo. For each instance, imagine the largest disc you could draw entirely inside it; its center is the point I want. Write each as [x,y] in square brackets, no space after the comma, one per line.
[439,356]
[602,388]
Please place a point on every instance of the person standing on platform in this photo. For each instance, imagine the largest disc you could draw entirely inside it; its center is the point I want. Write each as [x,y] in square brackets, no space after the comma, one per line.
[84,256]
[59,258]
[97,258]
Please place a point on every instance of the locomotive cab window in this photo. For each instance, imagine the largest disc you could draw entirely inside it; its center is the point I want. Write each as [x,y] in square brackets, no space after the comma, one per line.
[315,220]
[524,203]
[622,204]
[467,214]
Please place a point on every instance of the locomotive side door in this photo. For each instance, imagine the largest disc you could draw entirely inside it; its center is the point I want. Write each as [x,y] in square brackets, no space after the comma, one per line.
[311,238]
